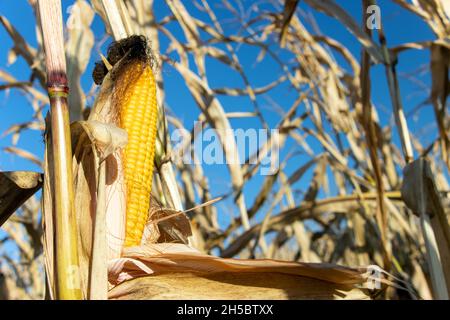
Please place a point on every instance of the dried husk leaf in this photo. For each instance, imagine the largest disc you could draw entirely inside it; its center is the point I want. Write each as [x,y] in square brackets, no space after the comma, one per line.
[169,258]
[233,286]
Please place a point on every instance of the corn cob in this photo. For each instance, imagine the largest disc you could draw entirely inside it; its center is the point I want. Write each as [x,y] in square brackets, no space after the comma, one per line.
[138,116]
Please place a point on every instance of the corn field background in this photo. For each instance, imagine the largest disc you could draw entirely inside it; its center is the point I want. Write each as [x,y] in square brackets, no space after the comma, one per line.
[352,105]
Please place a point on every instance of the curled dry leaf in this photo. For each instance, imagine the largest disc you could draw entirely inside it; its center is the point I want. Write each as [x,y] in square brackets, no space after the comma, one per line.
[166,225]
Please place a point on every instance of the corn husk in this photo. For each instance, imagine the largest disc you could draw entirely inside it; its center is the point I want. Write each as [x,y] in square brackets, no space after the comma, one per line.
[177,271]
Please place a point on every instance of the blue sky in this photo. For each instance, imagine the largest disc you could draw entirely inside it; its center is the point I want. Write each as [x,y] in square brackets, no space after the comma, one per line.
[400,26]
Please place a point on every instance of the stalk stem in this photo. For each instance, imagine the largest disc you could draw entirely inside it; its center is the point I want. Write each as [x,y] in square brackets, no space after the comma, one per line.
[66,243]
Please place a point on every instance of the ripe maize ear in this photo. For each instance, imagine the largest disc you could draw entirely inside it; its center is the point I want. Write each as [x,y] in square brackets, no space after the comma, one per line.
[138,116]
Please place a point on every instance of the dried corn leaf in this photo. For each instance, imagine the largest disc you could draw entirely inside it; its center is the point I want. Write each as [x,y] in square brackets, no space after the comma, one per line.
[21,47]
[332,9]
[78,51]
[38,95]
[422,197]
[24,154]
[308,210]
[440,63]
[15,188]
[99,9]
[288,12]
[216,116]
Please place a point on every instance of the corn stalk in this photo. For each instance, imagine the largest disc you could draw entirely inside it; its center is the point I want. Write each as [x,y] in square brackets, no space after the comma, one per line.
[66,256]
